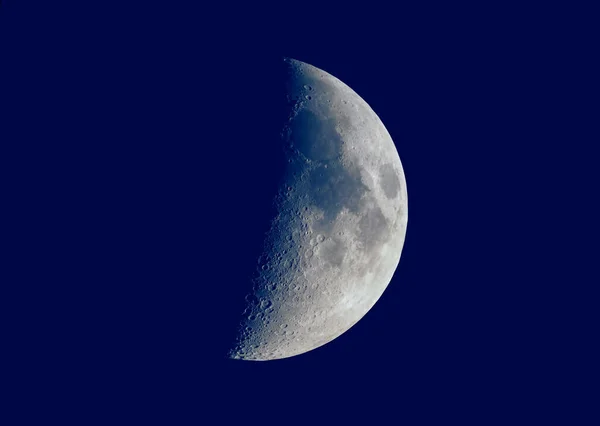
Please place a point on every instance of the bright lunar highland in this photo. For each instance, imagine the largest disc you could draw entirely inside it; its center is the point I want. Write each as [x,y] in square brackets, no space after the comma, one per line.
[338,233]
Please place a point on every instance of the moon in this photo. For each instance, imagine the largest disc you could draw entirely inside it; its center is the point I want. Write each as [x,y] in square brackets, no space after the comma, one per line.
[340,222]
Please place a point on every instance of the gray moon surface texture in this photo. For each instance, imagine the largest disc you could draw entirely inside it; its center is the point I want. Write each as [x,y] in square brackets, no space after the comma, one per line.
[336,239]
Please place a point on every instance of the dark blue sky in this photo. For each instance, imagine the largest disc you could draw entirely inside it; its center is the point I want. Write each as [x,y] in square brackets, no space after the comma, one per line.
[137,130]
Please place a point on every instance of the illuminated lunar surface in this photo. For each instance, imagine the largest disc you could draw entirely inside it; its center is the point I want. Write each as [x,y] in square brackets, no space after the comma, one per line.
[336,239]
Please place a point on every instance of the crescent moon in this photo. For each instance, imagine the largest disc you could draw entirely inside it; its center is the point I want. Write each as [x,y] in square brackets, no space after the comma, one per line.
[341,220]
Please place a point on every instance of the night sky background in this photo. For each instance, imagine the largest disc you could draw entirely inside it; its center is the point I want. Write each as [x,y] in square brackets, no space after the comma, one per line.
[139,177]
